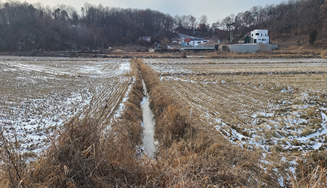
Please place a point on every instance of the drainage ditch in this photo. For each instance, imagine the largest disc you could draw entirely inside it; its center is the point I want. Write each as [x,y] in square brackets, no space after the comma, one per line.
[148,124]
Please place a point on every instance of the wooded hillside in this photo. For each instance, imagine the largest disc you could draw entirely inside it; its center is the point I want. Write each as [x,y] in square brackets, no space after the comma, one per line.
[294,18]
[26,27]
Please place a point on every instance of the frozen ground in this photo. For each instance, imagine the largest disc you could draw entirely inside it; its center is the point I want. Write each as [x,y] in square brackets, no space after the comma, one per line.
[37,95]
[189,66]
[283,111]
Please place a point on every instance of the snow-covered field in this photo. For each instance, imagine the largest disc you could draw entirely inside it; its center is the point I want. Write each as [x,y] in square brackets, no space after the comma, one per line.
[271,104]
[197,66]
[38,95]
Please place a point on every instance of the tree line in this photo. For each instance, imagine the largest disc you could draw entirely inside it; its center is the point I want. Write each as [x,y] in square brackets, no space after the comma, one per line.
[24,26]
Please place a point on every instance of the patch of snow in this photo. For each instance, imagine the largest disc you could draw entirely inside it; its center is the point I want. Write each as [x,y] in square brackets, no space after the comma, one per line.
[262,114]
[321,131]
[281,181]
[124,68]
[316,146]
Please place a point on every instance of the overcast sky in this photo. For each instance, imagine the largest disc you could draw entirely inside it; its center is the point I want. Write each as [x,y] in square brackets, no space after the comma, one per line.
[214,9]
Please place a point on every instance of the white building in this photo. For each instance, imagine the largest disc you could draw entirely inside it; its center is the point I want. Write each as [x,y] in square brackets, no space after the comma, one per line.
[260,36]
[197,41]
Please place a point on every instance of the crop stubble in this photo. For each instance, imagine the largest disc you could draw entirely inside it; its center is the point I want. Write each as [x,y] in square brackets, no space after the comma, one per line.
[268,104]
[38,95]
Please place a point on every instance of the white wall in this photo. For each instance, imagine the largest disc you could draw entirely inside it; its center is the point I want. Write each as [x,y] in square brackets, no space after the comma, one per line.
[249,48]
[260,36]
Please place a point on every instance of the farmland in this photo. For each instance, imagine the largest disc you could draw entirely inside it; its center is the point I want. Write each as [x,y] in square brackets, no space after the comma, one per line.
[39,95]
[261,104]
[264,104]
[250,119]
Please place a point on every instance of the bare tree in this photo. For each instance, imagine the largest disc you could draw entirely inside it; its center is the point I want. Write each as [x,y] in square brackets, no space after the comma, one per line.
[203,19]
[193,22]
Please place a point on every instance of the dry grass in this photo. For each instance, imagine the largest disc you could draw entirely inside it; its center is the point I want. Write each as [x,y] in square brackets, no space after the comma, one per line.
[171,121]
[190,153]
[251,104]
[82,155]
[311,171]
[35,96]
[245,67]
[187,144]
[204,142]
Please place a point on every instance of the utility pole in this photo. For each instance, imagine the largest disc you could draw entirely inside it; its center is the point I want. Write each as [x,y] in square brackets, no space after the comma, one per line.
[230,31]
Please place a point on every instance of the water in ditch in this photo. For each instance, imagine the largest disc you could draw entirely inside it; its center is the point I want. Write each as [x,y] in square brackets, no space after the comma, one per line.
[148,124]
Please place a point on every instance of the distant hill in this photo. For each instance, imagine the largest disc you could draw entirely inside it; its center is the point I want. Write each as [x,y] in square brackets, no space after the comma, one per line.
[288,23]
[27,27]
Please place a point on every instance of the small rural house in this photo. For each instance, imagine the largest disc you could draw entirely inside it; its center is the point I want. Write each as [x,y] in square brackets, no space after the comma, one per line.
[195,41]
[260,36]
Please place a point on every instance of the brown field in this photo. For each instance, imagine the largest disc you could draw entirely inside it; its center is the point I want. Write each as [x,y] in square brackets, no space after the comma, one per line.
[39,95]
[268,104]
[231,128]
